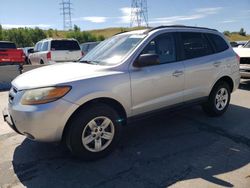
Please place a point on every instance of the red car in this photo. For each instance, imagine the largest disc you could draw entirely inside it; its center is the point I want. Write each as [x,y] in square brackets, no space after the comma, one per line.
[10,55]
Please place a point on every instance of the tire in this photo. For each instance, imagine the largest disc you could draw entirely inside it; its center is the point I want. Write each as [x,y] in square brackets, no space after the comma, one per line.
[29,62]
[218,100]
[82,129]
[41,62]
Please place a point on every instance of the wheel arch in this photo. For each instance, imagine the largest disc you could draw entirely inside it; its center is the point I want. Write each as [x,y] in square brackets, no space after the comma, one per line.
[226,79]
[103,100]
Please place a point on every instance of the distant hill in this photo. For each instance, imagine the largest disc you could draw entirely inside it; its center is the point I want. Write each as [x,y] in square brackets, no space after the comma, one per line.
[24,37]
[108,32]
[237,37]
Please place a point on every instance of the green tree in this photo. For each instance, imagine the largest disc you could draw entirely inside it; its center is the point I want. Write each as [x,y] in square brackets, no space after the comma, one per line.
[100,38]
[82,36]
[227,33]
[37,34]
[242,32]
[50,33]
[76,28]
[1,32]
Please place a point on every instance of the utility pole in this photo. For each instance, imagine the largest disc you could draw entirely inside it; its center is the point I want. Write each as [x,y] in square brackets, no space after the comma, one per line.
[139,13]
[66,11]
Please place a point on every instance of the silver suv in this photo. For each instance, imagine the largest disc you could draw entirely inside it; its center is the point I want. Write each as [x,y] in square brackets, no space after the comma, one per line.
[86,104]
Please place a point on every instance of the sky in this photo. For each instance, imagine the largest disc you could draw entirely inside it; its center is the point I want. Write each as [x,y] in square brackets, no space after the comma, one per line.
[95,14]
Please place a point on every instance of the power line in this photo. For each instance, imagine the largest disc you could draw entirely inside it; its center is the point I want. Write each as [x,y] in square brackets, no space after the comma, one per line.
[66,8]
[139,13]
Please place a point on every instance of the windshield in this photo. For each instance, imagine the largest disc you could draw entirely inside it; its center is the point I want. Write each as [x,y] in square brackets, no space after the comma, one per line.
[247,45]
[113,50]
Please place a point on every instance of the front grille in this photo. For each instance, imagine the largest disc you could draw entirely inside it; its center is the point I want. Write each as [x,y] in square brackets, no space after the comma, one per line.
[244,70]
[12,94]
[245,60]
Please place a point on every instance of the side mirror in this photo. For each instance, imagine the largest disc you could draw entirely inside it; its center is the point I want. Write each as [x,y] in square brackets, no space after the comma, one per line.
[147,60]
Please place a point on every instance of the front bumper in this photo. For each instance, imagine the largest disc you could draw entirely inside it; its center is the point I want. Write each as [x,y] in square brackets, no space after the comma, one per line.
[245,67]
[44,122]
[8,119]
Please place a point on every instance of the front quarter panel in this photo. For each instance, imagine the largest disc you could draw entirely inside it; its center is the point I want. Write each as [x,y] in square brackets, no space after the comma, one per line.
[114,86]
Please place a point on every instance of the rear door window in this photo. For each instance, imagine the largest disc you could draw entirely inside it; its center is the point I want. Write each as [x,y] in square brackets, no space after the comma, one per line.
[218,42]
[195,45]
[64,45]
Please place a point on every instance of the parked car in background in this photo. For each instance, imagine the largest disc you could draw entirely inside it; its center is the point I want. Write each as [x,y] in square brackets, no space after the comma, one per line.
[244,54]
[241,43]
[127,76]
[86,47]
[27,51]
[234,44]
[10,55]
[55,51]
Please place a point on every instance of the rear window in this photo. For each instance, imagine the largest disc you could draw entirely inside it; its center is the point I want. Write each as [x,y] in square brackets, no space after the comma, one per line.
[218,42]
[7,45]
[195,45]
[64,45]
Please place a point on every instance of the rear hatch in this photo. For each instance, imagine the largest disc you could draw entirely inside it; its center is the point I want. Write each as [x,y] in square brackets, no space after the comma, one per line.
[65,50]
[9,53]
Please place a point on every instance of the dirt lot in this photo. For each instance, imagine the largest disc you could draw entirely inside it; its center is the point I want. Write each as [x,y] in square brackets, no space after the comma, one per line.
[178,149]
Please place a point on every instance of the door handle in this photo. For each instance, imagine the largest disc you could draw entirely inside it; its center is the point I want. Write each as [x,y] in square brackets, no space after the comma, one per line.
[217,64]
[177,73]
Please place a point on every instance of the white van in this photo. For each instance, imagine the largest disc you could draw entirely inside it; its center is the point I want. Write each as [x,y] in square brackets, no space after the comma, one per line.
[55,50]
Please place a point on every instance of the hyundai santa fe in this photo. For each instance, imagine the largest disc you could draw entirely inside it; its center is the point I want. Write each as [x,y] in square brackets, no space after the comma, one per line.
[86,103]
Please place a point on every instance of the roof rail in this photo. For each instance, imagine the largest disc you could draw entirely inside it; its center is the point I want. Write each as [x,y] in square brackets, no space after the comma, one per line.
[179,26]
[121,33]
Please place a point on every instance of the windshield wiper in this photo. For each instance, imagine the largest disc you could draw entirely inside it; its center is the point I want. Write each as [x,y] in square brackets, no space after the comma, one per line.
[90,62]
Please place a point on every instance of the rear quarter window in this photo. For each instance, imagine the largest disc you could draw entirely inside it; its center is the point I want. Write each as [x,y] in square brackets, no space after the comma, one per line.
[64,45]
[45,46]
[219,43]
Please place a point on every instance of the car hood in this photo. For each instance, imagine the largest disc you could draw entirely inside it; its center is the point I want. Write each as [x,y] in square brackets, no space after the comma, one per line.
[242,52]
[58,74]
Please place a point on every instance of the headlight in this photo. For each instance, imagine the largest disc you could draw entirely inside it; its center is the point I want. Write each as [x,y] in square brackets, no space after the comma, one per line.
[44,95]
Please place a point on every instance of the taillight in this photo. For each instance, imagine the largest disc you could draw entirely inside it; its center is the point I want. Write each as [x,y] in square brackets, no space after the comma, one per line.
[49,55]
[82,54]
[23,55]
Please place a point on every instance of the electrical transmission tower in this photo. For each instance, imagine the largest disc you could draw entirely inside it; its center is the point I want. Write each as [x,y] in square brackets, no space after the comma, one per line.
[139,13]
[66,12]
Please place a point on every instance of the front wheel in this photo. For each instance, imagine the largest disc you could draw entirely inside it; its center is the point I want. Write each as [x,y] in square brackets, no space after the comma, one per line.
[218,100]
[93,132]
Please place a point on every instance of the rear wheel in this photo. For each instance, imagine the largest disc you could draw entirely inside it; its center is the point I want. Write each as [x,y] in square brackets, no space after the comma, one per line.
[93,132]
[218,100]
[41,62]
